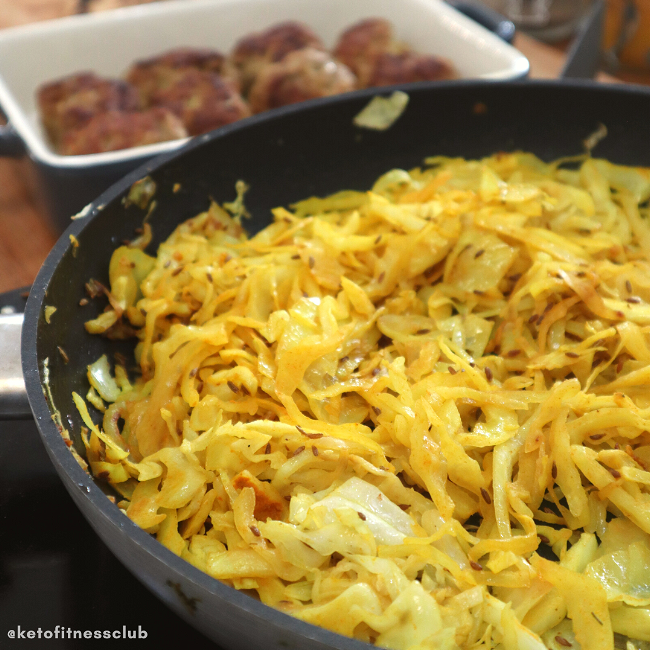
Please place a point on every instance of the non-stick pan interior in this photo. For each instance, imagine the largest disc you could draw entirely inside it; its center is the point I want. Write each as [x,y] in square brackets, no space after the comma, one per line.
[288,155]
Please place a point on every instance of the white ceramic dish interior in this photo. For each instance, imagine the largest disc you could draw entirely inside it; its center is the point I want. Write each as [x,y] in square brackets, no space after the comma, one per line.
[108,43]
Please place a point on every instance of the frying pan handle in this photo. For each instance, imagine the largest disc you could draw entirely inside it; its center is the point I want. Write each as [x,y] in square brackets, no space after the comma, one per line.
[13,396]
[487,17]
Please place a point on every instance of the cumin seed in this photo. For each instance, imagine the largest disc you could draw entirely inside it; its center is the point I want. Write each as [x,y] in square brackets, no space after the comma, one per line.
[297,451]
[182,345]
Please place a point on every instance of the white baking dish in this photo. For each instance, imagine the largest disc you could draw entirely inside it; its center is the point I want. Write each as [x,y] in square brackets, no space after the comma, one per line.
[109,42]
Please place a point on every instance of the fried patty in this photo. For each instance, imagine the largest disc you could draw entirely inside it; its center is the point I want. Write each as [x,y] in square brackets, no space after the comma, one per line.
[301,75]
[255,51]
[372,52]
[387,69]
[202,100]
[358,45]
[122,129]
[71,102]
[155,73]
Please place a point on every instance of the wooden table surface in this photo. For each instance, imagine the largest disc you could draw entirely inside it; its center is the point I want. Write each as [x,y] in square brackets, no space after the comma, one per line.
[25,235]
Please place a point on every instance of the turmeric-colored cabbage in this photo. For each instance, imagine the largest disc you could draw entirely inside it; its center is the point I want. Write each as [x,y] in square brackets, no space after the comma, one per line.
[418,416]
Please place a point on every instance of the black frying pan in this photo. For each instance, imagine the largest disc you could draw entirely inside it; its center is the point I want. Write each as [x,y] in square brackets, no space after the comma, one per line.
[284,155]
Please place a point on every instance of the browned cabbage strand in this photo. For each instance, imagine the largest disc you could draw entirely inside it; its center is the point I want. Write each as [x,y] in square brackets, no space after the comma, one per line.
[376,411]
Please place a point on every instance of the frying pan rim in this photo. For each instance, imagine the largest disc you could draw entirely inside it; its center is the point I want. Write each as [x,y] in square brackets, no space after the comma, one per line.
[51,437]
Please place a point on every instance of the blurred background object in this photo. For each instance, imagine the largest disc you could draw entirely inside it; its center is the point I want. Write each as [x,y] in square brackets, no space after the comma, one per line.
[548,20]
[626,30]
[626,41]
[105,5]
[625,45]
[21,12]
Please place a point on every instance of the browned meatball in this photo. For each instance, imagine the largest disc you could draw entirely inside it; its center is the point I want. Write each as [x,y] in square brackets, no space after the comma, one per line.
[360,44]
[72,102]
[371,51]
[304,74]
[120,130]
[388,69]
[202,100]
[255,51]
[150,75]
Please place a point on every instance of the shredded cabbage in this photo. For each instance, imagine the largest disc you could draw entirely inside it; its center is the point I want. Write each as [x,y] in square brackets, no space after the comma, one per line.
[418,416]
